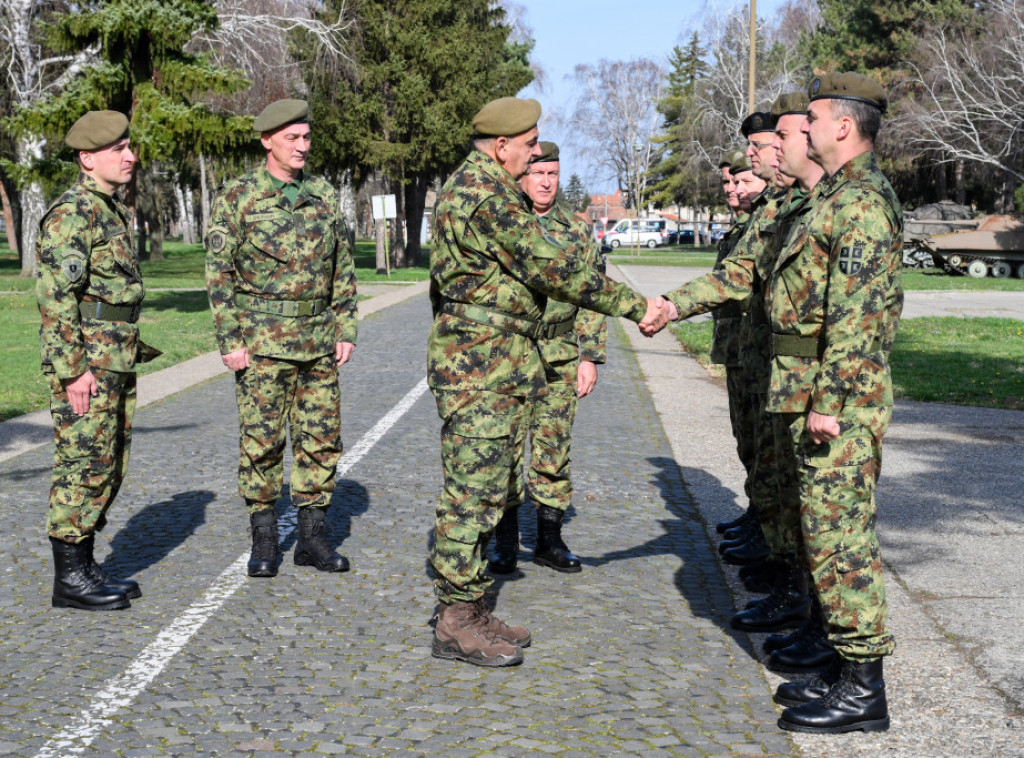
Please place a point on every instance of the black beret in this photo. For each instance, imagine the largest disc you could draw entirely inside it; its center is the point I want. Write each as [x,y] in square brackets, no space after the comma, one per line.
[848,85]
[97,129]
[758,121]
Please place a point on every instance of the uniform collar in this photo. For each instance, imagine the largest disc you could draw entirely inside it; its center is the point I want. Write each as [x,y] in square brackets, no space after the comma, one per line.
[493,169]
[558,214]
[855,168]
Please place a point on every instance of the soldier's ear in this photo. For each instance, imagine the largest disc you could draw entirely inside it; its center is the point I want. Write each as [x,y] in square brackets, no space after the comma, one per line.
[85,160]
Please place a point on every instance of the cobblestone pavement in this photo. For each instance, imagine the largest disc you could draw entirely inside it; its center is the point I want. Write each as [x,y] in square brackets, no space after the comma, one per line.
[631,657]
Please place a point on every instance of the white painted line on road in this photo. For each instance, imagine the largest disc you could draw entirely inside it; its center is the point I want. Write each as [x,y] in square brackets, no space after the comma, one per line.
[120,691]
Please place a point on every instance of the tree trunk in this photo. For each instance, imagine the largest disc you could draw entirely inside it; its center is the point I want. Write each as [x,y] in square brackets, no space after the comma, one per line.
[204,195]
[382,259]
[398,238]
[941,183]
[150,207]
[961,190]
[415,199]
[33,204]
[12,235]
[347,203]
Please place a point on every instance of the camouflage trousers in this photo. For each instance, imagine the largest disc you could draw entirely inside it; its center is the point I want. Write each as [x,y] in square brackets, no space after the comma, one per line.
[549,435]
[91,455]
[276,397]
[785,539]
[479,438]
[740,382]
[837,518]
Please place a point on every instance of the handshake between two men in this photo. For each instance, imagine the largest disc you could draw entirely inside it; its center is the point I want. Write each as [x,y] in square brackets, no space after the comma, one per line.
[659,312]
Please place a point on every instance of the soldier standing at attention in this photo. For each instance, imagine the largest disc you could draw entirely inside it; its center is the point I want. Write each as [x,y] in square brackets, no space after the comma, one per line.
[571,349]
[491,268]
[836,300]
[283,294]
[89,293]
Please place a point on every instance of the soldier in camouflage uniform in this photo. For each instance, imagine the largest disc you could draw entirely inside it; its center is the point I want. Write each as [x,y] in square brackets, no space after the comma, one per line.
[834,301]
[283,294]
[492,268]
[571,351]
[89,293]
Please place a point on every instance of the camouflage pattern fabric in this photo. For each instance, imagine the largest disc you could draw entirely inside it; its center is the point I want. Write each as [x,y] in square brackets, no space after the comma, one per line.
[480,435]
[587,341]
[265,246]
[838,279]
[91,454]
[550,416]
[86,251]
[260,244]
[491,251]
[727,330]
[837,518]
[304,395]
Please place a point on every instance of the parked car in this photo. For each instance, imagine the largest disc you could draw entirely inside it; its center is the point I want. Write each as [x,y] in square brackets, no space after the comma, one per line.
[629,231]
[681,237]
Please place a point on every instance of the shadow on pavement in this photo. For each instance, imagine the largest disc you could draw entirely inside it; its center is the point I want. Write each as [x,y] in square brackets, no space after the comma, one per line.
[151,534]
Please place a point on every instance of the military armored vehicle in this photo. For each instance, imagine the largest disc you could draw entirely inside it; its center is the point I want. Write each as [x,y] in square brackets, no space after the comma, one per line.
[978,247]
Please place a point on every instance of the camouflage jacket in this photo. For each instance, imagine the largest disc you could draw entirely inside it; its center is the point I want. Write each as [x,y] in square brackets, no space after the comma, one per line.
[838,282]
[489,250]
[740,276]
[587,341]
[86,252]
[726,340]
[264,254]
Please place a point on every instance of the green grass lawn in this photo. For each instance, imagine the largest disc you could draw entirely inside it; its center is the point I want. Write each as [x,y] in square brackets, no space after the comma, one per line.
[964,361]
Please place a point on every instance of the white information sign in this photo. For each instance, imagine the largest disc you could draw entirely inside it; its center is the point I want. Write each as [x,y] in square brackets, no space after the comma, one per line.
[383,207]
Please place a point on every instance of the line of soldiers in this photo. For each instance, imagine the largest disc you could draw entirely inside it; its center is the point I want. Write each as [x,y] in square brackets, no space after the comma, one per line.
[809,285]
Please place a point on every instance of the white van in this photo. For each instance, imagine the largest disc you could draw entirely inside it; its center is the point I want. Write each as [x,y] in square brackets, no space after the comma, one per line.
[649,231]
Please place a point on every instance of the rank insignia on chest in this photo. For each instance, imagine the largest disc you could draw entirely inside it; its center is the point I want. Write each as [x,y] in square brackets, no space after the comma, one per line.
[73,268]
[300,224]
[851,259]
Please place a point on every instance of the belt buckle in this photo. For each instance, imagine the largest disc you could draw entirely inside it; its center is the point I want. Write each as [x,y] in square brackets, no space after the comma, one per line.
[304,308]
[133,317]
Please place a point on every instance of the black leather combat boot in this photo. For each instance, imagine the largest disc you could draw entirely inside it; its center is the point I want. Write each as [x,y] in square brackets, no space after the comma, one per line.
[752,551]
[128,586]
[760,577]
[312,549]
[785,607]
[809,652]
[506,543]
[855,702]
[264,557]
[74,585]
[723,526]
[551,551]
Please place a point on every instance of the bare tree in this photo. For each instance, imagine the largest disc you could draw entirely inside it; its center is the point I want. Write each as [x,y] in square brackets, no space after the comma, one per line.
[721,99]
[615,119]
[33,73]
[970,106]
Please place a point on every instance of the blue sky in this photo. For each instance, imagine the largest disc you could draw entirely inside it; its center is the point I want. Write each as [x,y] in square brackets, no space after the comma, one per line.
[570,32]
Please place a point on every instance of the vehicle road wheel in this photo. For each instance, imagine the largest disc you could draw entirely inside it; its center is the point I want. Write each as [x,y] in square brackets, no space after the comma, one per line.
[1020,271]
[1001,269]
[977,269]
[615,244]
[954,260]
[651,243]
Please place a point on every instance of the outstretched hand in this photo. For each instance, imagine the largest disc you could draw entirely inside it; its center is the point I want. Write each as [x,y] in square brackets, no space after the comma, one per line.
[659,312]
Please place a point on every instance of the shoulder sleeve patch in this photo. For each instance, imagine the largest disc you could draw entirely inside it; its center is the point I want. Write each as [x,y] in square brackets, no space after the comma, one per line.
[216,239]
[73,268]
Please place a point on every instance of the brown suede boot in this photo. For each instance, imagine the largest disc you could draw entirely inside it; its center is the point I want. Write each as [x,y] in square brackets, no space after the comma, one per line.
[514,635]
[462,634]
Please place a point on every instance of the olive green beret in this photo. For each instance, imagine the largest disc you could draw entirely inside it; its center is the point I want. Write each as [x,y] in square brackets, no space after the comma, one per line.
[281,113]
[758,121]
[97,129]
[548,153]
[730,158]
[789,103]
[848,85]
[740,165]
[726,161]
[506,116]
